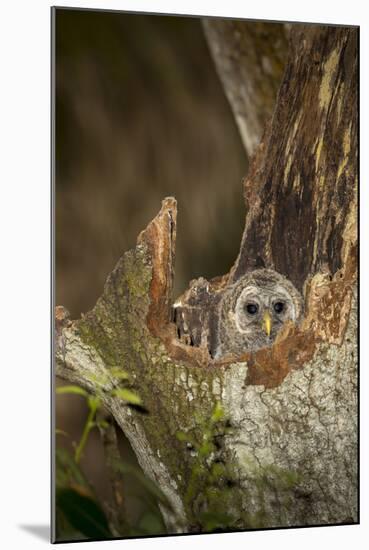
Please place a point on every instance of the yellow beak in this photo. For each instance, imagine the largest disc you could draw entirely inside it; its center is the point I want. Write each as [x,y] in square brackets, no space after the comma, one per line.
[267,323]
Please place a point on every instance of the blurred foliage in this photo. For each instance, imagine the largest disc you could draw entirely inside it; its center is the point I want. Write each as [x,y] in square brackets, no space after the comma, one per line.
[119,379]
[80,514]
[83,514]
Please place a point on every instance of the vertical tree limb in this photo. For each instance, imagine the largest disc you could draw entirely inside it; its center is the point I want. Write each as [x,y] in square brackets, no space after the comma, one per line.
[250,58]
[117,508]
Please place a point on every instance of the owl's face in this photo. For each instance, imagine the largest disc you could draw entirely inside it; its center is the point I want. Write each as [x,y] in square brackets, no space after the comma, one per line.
[254,309]
[261,311]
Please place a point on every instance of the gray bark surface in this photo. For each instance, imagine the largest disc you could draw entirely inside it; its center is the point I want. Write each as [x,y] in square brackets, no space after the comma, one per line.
[250,60]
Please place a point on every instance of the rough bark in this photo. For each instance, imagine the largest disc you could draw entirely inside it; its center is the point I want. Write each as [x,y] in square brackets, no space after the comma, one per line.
[292,407]
[250,58]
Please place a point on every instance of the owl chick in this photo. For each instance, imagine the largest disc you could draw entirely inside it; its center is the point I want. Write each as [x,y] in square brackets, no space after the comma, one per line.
[253,310]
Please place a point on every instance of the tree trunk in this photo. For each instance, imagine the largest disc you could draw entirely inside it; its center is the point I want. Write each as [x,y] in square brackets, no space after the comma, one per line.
[250,59]
[289,435]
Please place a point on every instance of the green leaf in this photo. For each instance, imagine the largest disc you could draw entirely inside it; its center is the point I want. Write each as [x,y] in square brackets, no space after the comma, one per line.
[83,513]
[67,471]
[182,436]
[218,413]
[128,396]
[186,437]
[71,389]
[93,402]
[119,373]
[206,449]
[217,469]
[216,520]
[151,524]
[100,378]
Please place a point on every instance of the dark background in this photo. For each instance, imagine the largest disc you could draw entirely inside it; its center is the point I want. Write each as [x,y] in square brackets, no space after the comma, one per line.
[140,115]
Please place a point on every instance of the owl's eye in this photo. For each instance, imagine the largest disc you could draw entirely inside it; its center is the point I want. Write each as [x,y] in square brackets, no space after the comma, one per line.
[252,309]
[278,307]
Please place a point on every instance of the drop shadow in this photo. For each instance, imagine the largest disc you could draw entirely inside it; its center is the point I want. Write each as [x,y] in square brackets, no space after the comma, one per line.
[40,531]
